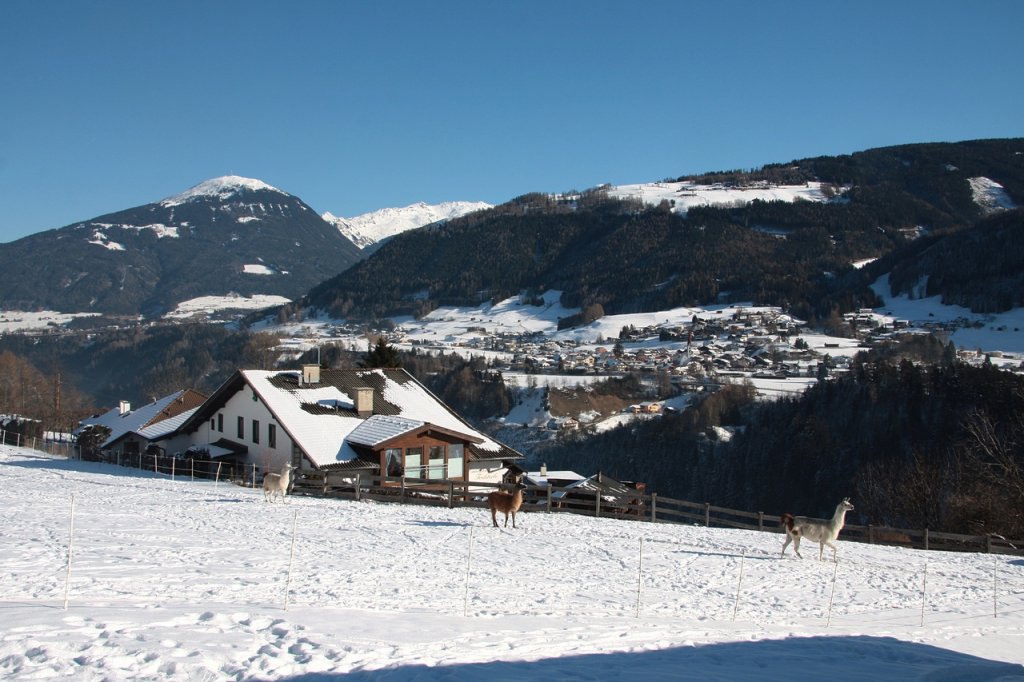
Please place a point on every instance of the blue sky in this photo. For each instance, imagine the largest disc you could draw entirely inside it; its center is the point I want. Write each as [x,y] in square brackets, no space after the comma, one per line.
[355,106]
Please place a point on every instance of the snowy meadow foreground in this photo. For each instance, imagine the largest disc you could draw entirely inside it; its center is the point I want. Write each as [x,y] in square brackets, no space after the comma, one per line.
[192,580]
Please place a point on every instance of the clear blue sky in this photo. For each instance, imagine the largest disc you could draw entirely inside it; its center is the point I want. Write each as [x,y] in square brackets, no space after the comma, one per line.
[354,106]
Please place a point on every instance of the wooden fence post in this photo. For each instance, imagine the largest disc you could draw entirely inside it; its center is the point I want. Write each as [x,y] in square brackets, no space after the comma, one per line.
[451,494]
[707,514]
[597,504]
[402,497]
[760,520]
[988,543]
[549,497]
[871,534]
[926,538]
[654,507]
[359,484]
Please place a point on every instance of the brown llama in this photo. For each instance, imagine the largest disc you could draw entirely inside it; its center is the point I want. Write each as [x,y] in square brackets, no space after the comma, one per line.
[507,503]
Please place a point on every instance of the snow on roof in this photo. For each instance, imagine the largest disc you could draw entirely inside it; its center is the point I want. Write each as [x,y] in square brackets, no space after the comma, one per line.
[221,188]
[322,443]
[380,428]
[536,478]
[133,420]
[325,436]
[167,426]
[415,401]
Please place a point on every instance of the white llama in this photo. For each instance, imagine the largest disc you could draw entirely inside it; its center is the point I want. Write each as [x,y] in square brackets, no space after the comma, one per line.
[275,485]
[817,530]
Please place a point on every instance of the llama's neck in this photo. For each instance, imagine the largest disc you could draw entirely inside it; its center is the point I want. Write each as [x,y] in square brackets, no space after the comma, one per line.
[839,518]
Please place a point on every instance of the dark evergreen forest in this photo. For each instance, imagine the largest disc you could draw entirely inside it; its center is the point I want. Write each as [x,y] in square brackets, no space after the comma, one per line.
[934,445]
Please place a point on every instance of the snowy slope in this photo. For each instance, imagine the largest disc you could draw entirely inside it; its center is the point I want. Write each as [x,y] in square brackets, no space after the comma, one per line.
[370,228]
[186,580]
[682,196]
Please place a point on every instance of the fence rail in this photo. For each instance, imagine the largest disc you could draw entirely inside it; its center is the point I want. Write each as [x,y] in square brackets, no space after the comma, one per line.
[551,499]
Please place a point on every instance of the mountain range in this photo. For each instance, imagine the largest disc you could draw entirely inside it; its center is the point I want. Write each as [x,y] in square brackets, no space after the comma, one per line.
[786,234]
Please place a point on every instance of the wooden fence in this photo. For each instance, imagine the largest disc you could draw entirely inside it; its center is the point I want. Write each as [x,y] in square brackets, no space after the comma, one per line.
[651,508]
[635,507]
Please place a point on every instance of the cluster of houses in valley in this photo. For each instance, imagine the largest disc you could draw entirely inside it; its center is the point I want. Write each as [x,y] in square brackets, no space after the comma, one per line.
[758,340]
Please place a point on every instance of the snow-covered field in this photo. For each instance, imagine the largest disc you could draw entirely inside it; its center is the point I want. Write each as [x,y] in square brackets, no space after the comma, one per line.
[188,580]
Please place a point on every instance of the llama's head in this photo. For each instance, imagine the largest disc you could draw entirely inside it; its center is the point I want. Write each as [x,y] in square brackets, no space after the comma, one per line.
[846,505]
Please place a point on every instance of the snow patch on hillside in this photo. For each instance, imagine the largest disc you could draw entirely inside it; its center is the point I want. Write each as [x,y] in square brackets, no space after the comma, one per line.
[158,229]
[20,321]
[258,269]
[208,305]
[682,196]
[990,195]
[100,239]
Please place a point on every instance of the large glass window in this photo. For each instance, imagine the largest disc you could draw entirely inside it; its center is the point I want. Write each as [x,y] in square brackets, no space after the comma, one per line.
[456,460]
[241,427]
[255,431]
[436,462]
[414,462]
[272,435]
[393,462]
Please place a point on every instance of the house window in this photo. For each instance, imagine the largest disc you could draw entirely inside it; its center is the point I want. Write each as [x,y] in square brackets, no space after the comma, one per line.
[456,460]
[213,423]
[435,468]
[220,422]
[393,462]
[414,462]
[272,435]
[241,427]
[255,431]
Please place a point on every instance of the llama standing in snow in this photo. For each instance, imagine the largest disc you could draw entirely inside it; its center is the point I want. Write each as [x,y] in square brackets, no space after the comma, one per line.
[277,484]
[507,503]
[817,530]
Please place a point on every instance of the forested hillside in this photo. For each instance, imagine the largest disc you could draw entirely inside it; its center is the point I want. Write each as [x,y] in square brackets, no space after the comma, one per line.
[628,257]
[916,439]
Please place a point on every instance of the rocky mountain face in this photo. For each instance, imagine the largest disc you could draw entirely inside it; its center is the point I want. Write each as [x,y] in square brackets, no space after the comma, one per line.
[226,235]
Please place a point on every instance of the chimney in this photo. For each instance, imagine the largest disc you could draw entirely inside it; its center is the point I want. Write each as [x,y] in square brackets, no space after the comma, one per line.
[364,402]
[544,470]
[310,374]
[125,407]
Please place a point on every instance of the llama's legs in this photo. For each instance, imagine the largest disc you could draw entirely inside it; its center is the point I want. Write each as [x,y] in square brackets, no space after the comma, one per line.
[494,517]
[513,519]
[834,557]
[786,544]
[796,545]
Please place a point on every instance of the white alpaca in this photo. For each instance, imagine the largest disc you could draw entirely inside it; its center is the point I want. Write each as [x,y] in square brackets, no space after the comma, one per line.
[277,484]
[818,530]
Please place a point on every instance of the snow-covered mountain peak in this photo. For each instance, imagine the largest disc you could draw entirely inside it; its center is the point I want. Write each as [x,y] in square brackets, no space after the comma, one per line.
[222,188]
[370,228]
